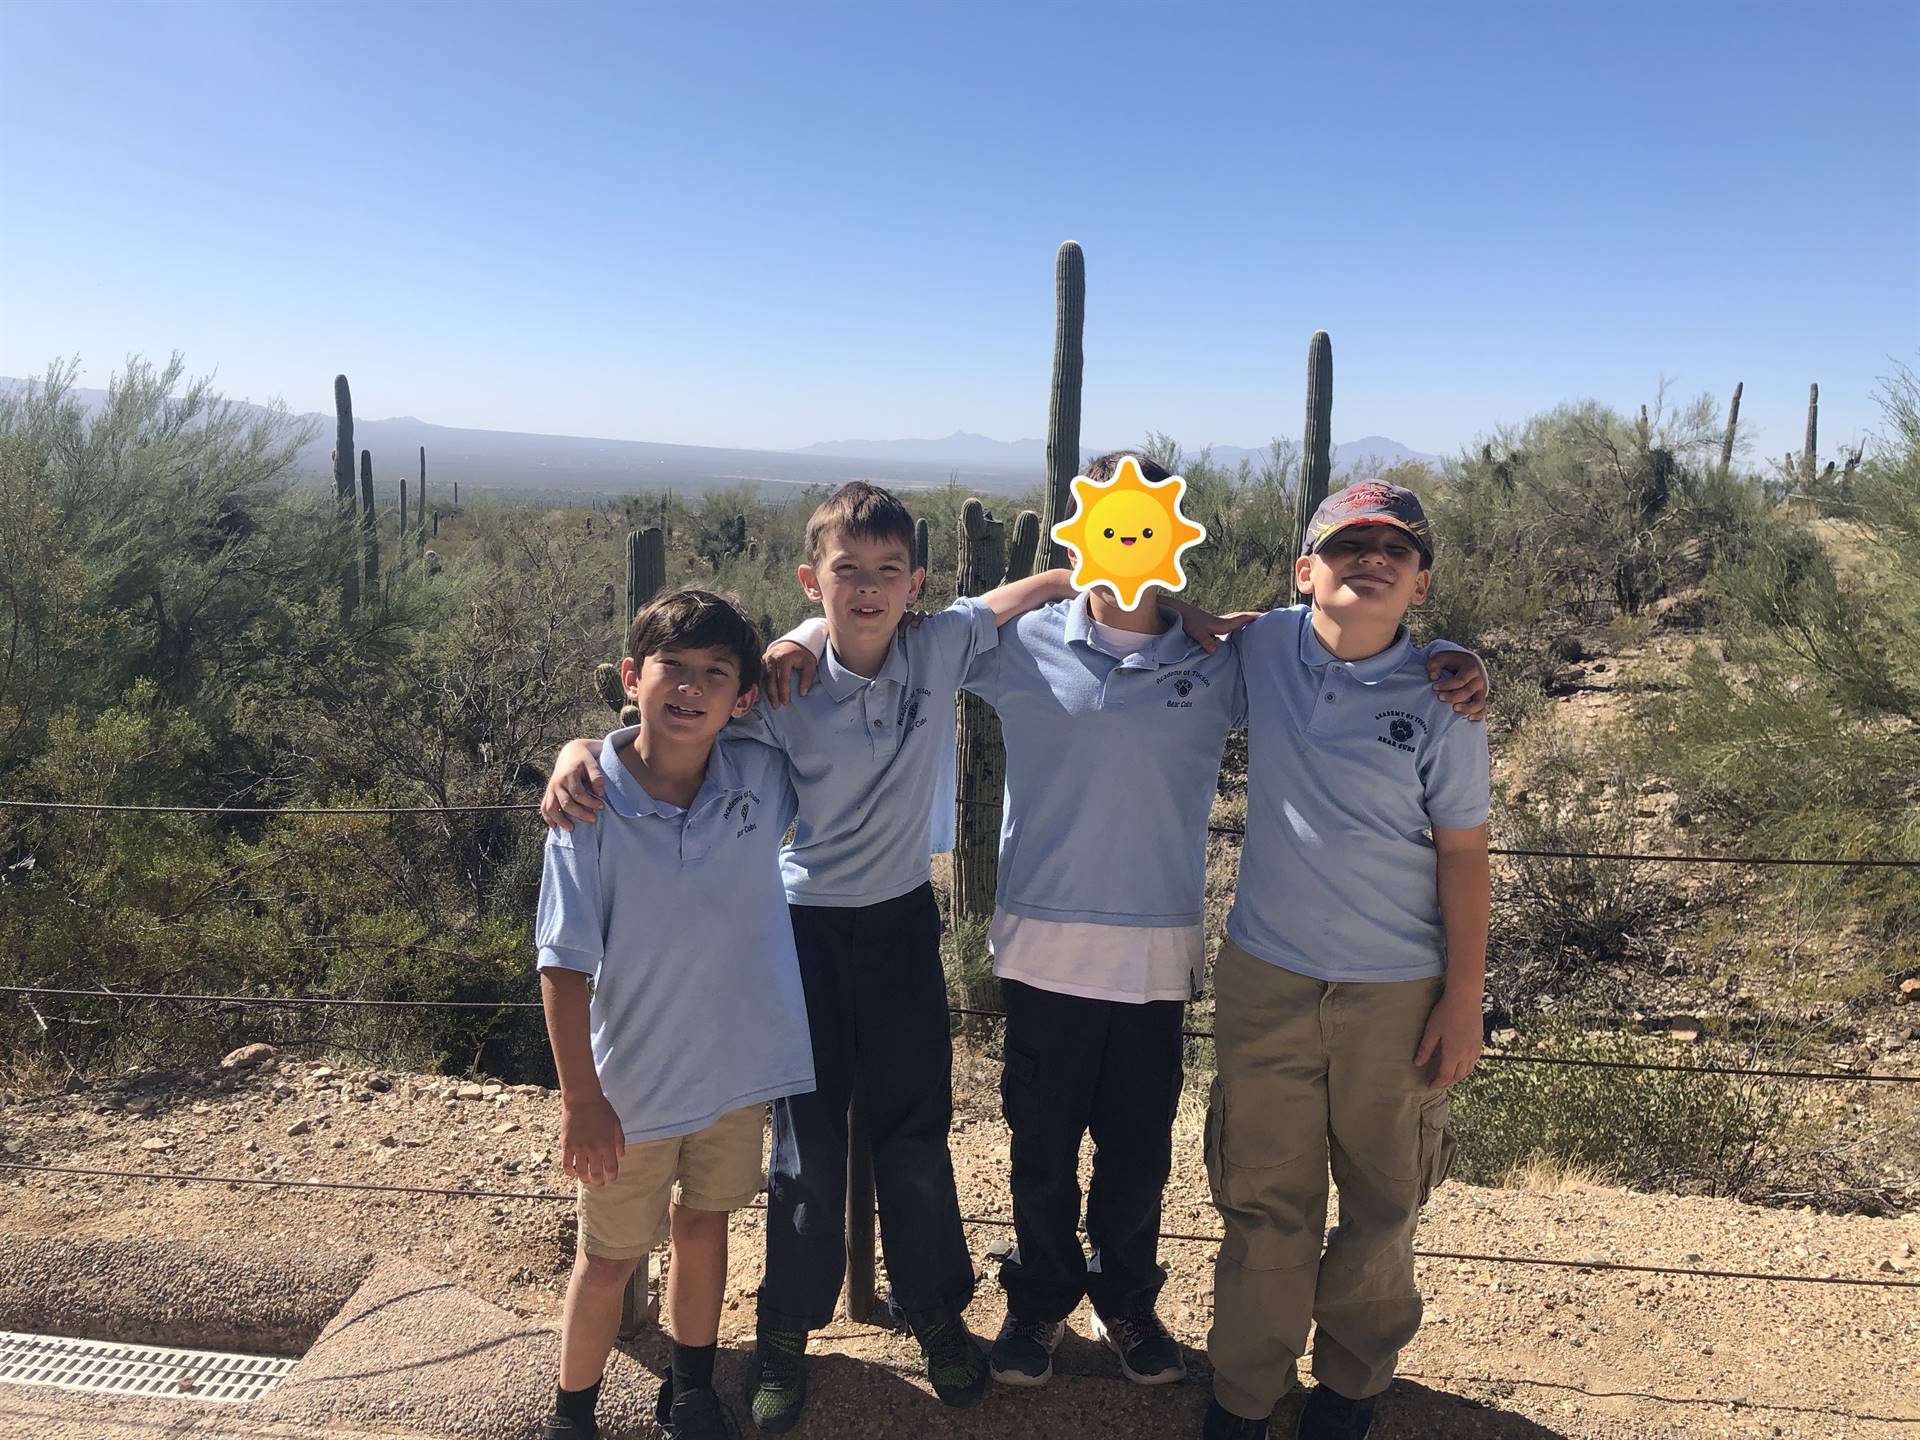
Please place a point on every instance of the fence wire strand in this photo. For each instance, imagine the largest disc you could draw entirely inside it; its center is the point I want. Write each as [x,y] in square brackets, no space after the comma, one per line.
[987,1221]
[357,1002]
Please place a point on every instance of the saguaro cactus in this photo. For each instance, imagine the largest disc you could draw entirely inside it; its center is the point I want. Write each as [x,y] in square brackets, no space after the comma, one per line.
[1810,461]
[646,569]
[1733,423]
[343,493]
[1063,405]
[403,511]
[1316,449]
[922,539]
[369,524]
[1023,544]
[981,763]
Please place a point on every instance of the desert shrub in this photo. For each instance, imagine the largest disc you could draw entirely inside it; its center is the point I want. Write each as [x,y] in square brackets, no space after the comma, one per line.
[969,968]
[1649,1129]
[1562,925]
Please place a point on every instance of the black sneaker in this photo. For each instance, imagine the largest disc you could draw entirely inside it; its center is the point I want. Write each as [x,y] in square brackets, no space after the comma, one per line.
[1329,1415]
[694,1415]
[777,1378]
[1222,1424]
[1148,1354]
[955,1367]
[558,1427]
[1023,1352]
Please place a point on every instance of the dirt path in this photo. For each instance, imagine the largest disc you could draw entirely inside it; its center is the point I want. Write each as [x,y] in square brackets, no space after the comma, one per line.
[1507,1350]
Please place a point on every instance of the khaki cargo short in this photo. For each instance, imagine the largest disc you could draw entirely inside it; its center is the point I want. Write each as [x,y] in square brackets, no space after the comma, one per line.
[717,1168]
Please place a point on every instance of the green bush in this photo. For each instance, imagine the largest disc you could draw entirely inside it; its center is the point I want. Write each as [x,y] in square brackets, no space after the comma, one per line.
[1649,1129]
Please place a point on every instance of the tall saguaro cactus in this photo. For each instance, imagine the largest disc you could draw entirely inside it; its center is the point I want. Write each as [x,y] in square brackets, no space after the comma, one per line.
[1733,423]
[1063,405]
[343,493]
[1316,449]
[1810,461]
[369,525]
[981,763]
[922,542]
[646,569]
[403,514]
[1023,545]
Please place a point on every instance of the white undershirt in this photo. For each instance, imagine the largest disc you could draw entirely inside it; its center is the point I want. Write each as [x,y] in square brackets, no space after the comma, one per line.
[1128,963]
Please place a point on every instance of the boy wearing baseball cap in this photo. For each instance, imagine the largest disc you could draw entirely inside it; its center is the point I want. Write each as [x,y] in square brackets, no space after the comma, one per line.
[1347,992]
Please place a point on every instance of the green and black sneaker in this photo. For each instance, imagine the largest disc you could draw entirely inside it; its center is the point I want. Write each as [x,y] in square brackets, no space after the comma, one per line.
[956,1367]
[777,1378]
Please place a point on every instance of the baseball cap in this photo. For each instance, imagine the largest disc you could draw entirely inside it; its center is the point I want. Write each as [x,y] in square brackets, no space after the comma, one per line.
[1371,502]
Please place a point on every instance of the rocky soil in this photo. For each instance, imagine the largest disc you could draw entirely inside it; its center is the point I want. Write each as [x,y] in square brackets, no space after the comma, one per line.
[448,1332]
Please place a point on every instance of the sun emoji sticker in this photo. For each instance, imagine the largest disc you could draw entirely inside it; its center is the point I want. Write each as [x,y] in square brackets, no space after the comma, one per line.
[1127,533]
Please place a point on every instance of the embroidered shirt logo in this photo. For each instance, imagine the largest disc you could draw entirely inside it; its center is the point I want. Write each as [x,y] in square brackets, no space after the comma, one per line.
[908,719]
[1401,727]
[1182,682]
[744,803]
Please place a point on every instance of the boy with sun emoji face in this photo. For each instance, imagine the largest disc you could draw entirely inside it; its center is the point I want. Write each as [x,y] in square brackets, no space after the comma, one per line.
[1113,722]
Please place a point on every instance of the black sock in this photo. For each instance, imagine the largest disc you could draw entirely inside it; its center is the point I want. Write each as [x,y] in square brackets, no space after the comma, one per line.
[577,1405]
[692,1367]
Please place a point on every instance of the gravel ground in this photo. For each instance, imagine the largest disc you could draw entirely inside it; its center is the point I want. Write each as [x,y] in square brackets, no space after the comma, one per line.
[448,1333]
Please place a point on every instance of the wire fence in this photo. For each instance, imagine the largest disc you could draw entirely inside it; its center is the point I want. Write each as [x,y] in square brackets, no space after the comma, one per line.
[1497,1057]
[1232,831]
[979,1221]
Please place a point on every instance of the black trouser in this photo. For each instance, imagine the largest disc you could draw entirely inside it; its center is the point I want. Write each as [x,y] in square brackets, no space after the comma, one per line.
[1075,1065]
[877,1009]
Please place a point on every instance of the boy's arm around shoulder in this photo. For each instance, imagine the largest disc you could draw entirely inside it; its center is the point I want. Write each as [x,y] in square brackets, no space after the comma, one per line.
[1017,597]
[1459,677]
[577,788]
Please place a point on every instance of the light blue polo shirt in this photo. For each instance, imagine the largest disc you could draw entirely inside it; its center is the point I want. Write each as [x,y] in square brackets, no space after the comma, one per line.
[866,758]
[679,917]
[1111,768]
[1349,765]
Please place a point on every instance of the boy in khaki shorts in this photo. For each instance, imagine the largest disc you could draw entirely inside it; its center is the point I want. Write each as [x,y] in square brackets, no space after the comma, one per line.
[1347,995]
[672,906]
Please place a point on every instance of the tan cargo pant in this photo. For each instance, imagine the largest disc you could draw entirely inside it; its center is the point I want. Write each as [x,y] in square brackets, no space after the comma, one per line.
[1312,1073]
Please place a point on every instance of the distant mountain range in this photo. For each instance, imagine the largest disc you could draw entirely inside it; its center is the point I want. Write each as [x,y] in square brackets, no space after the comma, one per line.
[963,446]
[568,468]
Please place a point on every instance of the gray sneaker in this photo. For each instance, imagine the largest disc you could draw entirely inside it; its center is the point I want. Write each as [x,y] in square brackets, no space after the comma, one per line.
[1149,1355]
[1023,1351]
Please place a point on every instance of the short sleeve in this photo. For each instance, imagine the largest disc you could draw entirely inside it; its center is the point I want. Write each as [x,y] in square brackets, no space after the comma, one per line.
[982,675]
[956,635]
[569,926]
[757,726]
[1456,776]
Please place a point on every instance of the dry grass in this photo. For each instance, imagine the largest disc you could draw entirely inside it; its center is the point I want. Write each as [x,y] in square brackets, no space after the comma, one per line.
[1545,1174]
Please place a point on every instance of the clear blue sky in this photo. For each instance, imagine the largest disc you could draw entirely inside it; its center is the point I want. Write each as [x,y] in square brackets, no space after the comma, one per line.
[768,224]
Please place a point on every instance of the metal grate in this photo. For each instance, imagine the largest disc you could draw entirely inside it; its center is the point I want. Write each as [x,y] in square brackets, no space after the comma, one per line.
[115,1369]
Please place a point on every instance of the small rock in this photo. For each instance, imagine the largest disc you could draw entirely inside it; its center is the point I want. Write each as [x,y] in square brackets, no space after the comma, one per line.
[388,1141]
[299,1127]
[250,1145]
[322,1072]
[469,1092]
[506,1127]
[246,1057]
[379,1083]
[1692,1257]
[491,1090]
[200,1107]
[156,1143]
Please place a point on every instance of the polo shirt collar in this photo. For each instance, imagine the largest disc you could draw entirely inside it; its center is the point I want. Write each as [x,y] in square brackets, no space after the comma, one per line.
[628,798]
[1369,671]
[843,684]
[1167,648]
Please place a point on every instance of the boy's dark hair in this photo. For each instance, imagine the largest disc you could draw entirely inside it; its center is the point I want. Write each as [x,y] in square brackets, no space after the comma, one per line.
[858,508]
[1102,467]
[694,620]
